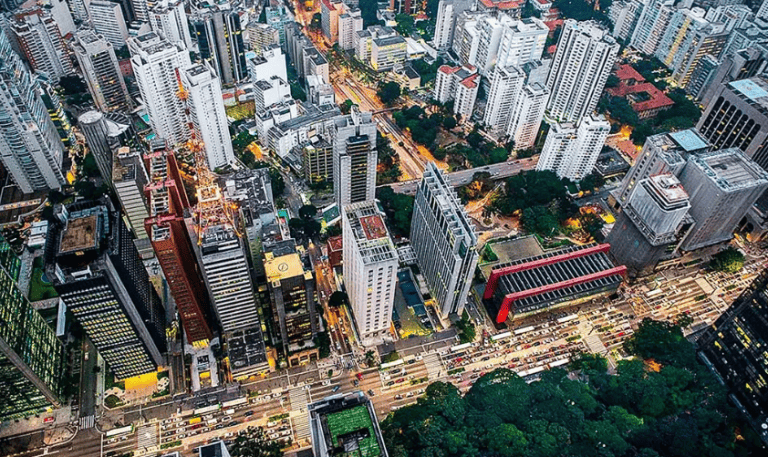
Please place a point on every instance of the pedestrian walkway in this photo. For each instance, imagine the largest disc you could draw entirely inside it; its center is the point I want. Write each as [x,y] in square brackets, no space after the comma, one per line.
[87,422]
[434,365]
[147,436]
[299,420]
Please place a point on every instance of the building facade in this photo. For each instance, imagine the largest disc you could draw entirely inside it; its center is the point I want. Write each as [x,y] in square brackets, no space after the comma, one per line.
[354,157]
[101,71]
[40,40]
[108,21]
[571,151]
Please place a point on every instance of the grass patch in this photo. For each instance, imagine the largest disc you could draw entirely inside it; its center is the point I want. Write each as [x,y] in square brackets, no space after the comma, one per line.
[730,287]
[278,417]
[456,371]
[241,110]
[171,444]
[109,382]
[573,338]
[38,288]
[162,393]
[699,297]
[113,401]
[162,374]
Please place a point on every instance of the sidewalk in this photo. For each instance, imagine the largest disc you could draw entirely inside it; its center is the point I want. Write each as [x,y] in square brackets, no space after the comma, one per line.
[62,417]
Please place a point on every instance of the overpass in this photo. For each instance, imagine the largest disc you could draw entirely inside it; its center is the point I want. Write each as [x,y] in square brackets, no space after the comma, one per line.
[463,177]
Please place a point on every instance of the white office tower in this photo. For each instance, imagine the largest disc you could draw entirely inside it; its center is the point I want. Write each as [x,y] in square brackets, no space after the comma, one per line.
[141,9]
[370,270]
[444,242]
[262,36]
[571,151]
[228,280]
[101,70]
[651,25]
[170,21]
[350,23]
[206,108]
[506,85]
[459,84]
[108,20]
[529,112]
[271,62]
[447,12]
[40,40]
[30,147]
[583,60]
[59,10]
[354,158]
[155,62]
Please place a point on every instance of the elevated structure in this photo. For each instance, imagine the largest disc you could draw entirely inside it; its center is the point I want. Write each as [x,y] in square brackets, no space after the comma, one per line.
[345,424]
[530,285]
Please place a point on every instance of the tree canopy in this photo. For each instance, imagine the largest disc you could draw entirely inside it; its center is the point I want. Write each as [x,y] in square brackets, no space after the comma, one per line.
[729,260]
[399,209]
[388,92]
[254,442]
[675,409]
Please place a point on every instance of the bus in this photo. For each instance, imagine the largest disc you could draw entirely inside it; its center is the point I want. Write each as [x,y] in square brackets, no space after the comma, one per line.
[235,402]
[520,331]
[559,362]
[119,431]
[397,362]
[207,409]
[461,347]
[195,420]
[567,318]
[501,336]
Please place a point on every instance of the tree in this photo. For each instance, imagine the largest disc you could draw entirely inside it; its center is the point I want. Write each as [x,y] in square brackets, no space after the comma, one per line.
[254,442]
[388,92]
[308,211]
[449,122]
[729,260]
[337,299]
[538,219]
[317,20]
[370,358]
[72,85]
[399,208]
[404,24]
[466,329]
[612,81]
[89,168]
[346,106]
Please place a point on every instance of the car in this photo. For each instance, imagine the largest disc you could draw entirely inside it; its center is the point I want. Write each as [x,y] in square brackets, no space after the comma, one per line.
[226,418]
[180,436]
[390,383]
[370,392]
[359,376]
[248,413]
[219,427]
[232,424]
[336,388]
[398,397]
[399,380]
[410,394]
[356,382]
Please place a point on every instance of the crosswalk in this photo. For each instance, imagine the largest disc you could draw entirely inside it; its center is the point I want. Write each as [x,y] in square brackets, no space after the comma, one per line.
[147,436]
[300,421]
[87,422]
[433,364]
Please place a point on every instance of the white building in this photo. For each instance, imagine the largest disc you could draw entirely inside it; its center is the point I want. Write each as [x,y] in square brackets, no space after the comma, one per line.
[447,12]
[350,23]
[271,62]
[170,21]
[762,12]
[262,36]
[444,242]
[370,270]
[529,111]
[101,71]
[354,158]
[206,107]
[506,86]
[466,38]
[155,62]
[108,20]
[386,53]
[268,93]
[459,84]
[581,66]
[651,25]
[41,42]
[521,42]
[571,151]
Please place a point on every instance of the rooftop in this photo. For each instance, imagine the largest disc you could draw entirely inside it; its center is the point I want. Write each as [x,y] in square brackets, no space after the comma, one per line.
[80,234]
[283,267]
[345,426]
[730,169]
[374,227]
[335,243]
[750,89]
[689,140]
[669,187]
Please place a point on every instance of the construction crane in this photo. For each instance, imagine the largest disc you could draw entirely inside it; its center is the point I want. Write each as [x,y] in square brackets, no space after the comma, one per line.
[211,209]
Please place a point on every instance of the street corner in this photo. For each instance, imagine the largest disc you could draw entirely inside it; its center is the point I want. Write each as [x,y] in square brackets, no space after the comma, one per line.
[59,435]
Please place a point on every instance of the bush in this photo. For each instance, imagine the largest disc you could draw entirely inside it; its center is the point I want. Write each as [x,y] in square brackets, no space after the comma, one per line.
[729,260]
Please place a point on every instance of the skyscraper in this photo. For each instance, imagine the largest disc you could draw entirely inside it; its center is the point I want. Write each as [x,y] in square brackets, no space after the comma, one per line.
[156,65]
[444,242]
[571,151]
[206,107]
[109,21]
[31,356]
[651,25]
[370,270]
[506,86]
[722,185]
[40,41]
[354,158]
[30,147]
[94,126]
[733,347]
[170,239]
[97,272]
[447,12]
[219,38]
[101,70]
[350,22]
[529,112]
[329,12]
[128,179]
[581,65]
[170,20]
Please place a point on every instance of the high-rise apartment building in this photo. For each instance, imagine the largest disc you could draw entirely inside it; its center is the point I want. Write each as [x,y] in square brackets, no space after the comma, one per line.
[529,112]
[651,25]
[156,65]
[279,17]
[108,21]
[30,147]
[459,84]
[350,22]
[167,230]
[101,70]
[762,12]
[206,108]
[262,36]
[444,242]
[723,185]
[687,39]
[571,151]
[169,20]
[354,158]
[219,38]
[737,117]
[521,41]
[317,161]
[99,275]
[506,86]
[370,270]
[40,40]
[447,12]
[330,11]
[31,355]
[733,347]
[624,15]
[94,127]
[270,62]
[292,292]
[581,65]
[649,223]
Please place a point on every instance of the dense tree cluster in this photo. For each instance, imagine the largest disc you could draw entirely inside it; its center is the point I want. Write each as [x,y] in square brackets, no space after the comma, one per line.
[254,442]
[729,260]
[670,407]
[389,162]
[423,128]
[582,10]
[428,72]
[477,153]
[481,184]
[389,92]
[399,209]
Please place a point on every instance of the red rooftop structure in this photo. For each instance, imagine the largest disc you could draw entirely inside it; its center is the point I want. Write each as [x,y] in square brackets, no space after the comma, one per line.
[644,98]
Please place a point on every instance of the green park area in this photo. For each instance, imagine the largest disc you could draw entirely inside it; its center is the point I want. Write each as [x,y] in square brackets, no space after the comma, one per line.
[39,286]
[351,420]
